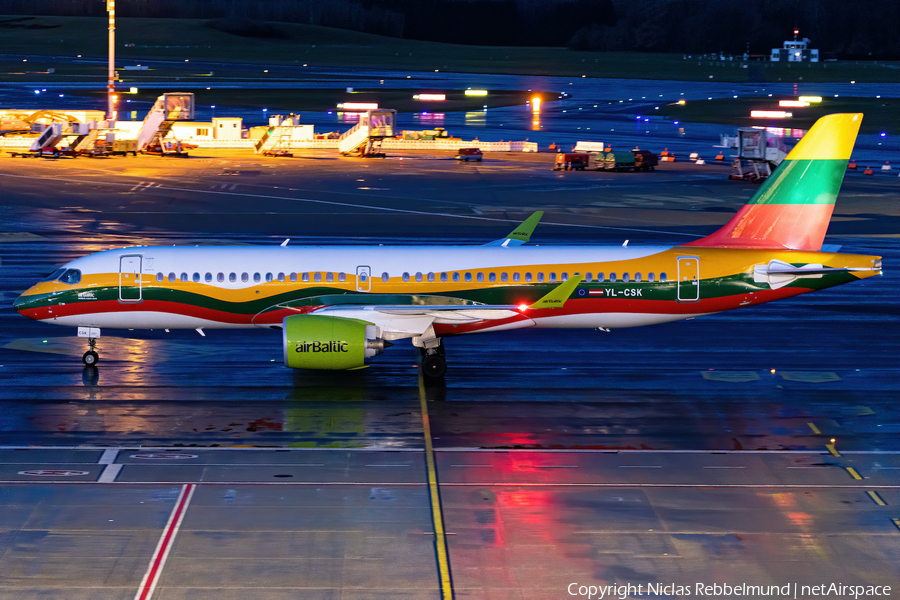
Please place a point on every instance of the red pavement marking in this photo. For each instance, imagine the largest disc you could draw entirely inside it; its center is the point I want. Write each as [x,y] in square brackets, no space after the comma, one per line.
[148,584]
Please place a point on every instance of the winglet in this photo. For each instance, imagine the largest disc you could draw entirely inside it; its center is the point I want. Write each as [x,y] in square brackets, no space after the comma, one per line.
[558,295]
[520,234]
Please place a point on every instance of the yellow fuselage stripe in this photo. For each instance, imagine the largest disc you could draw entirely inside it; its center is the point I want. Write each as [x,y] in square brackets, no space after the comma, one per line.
[714,263]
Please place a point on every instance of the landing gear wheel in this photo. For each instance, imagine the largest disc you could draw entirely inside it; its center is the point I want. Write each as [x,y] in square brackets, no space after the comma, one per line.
[90,358]
[434,366]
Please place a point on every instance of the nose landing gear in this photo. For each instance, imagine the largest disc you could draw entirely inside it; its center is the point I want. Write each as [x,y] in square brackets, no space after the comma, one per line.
[91,357]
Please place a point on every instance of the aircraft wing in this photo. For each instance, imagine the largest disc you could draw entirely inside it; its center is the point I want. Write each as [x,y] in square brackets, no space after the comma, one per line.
[520,234]
[405,320]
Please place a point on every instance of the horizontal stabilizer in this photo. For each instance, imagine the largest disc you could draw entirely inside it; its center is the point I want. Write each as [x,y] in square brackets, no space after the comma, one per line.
[779,273]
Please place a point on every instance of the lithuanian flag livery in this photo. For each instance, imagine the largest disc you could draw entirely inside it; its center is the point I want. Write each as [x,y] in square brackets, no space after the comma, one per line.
[337,306]
[792,208]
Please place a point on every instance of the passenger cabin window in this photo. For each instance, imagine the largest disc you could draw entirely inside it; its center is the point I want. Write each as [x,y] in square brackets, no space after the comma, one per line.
[527,277]
[637,277]
[196,277]
[516,277]
[504,277]
[651,276]
[468,277]
[317,277]
[626,277]
[480,277]
[419,277]
[232,277]
[171,277]
[662,277]
[612,276]
[184,277]
[385,277]
[245,277]
[160,277]
[329,277]
[456,277]
[444,277]
[540,277]
[588,277]
[304,277]
[492,277]
[220,277]
[600,276]
[564,277]
[552,276]
[405,277]
[281,277]
[431,277]
[257,278]
[342,277]
[208,277]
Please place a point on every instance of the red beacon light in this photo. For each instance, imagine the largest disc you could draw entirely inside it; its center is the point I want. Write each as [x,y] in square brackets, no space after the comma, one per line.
[523,307]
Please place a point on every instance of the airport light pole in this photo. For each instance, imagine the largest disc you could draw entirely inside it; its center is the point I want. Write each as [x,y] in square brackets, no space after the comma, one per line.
[110,88]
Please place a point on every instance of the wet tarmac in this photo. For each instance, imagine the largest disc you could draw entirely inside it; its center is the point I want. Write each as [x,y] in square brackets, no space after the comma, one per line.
[689,452]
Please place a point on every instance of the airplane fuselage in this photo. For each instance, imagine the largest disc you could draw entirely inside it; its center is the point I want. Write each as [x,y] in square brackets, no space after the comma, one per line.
[155,287]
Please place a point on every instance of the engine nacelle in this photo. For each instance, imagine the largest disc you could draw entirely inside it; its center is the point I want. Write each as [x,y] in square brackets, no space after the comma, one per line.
[328,342]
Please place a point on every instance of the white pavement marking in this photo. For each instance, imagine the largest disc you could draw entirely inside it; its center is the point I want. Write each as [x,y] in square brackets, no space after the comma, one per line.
[111,471]
[158,561]
[109,456]
[345,204]
[109,474]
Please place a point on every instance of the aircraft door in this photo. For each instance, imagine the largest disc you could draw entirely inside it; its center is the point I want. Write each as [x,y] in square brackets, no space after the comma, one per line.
[130,278]
[688,278]
[363,279]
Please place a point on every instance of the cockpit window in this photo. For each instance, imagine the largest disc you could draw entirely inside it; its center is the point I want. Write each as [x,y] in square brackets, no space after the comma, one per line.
[70,276]
[52,276]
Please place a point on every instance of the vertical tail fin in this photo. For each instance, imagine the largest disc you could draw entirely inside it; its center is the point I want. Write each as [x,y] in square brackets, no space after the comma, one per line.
[793,207]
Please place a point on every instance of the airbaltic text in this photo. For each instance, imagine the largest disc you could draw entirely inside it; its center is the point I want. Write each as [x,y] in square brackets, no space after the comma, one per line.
[321,347]
[719,590]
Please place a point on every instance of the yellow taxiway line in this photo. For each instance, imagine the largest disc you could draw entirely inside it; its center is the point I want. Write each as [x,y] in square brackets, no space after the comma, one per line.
[440,537]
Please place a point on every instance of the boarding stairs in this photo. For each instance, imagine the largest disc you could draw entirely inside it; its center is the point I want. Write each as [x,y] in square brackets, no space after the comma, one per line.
[49,138]
[365,138]
[86,142]
[276,141]
[352,140]
[157,125]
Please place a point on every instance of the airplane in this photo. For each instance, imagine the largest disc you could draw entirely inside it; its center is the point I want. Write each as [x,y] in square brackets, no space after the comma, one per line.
[338,306]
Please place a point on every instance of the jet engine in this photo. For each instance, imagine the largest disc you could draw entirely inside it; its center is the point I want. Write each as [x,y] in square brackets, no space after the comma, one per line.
[329,342]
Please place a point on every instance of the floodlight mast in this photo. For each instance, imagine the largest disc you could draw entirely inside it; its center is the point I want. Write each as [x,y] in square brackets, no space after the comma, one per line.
[110,88]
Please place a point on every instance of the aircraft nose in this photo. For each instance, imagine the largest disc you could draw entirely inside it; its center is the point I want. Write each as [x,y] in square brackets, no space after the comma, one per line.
[24,302]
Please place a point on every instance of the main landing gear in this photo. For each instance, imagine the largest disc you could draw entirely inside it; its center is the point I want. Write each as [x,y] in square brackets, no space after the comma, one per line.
[434,365]
[91,357]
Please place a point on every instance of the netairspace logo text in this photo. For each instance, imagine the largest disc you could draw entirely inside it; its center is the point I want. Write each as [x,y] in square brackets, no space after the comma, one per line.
[720,590]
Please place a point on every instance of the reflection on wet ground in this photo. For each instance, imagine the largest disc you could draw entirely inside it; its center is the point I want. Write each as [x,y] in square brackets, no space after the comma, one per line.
[697,451]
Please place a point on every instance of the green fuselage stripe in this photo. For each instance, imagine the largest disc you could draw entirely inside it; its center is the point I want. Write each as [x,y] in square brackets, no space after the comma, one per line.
[803,182]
